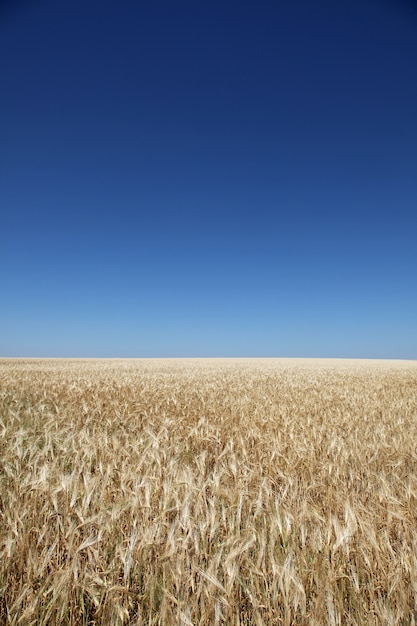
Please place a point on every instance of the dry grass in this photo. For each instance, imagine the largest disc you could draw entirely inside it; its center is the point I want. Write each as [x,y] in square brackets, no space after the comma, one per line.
[208,492]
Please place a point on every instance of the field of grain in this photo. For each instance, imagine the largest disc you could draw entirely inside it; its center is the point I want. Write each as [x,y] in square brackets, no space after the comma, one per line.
[208,492]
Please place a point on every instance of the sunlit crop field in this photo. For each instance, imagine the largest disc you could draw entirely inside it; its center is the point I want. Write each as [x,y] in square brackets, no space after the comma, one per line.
[208,492]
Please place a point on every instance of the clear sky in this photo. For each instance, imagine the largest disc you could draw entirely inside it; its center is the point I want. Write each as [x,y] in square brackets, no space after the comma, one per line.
[208,178]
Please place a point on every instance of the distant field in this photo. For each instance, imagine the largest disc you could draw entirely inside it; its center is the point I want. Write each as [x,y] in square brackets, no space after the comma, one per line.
[206,492]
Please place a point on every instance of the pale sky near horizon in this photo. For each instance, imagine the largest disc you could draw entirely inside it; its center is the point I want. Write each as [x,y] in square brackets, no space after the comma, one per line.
[208,178]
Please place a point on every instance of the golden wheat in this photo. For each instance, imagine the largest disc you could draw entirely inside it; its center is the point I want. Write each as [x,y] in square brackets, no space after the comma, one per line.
[208,492]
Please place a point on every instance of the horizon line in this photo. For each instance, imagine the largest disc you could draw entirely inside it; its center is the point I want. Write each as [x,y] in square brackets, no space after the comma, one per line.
[133,358]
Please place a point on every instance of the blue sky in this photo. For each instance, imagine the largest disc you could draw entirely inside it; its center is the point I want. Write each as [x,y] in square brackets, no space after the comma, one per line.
[208,178]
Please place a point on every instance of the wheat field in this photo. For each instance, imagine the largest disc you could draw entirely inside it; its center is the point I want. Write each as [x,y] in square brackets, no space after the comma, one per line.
[257,491]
